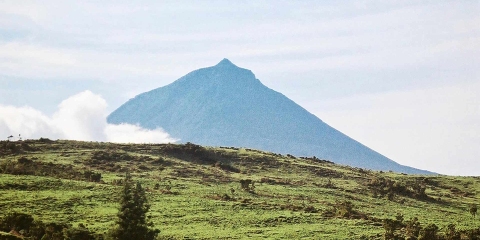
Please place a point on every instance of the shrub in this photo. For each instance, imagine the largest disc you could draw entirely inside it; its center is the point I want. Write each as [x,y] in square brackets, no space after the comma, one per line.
[45,140]
[24,160]
[8,147]
[247,185]
[92,176]
[310,209]
[26,227]
[16,221]
[7,236]
[329,184]
[344,209]
[80,233]
[389,188]
[54,231]
[25,166]
[473,210]
[390,226]
[412,228]
[429,232]
[226,167]
[451,233]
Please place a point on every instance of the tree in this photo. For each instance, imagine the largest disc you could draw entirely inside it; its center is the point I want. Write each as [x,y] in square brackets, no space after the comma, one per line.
[132,217]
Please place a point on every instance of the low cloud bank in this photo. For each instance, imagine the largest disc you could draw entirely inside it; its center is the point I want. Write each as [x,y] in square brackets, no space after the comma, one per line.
[80,117]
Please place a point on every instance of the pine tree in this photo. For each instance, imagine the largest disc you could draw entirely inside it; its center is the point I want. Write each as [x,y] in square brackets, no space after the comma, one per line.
[132,222]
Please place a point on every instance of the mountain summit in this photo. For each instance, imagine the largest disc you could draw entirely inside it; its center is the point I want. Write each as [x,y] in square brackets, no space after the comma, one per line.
[226,105]
[225,63]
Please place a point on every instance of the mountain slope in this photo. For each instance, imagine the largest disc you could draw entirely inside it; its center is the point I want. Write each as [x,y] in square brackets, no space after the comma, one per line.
[226,105]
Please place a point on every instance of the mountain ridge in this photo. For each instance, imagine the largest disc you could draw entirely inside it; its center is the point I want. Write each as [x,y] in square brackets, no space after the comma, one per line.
[225,105]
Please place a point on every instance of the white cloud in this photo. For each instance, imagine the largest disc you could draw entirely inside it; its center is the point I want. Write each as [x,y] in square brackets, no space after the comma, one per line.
[28,9]
[118,41]
[26,121]
[80,117]
[127,133]
[41,61]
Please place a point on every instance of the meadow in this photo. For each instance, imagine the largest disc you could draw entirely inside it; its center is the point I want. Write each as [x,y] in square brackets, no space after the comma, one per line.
[199,192]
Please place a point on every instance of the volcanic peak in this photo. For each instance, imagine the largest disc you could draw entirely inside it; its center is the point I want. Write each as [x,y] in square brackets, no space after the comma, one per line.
[225,63]
[224,73]
[225,105]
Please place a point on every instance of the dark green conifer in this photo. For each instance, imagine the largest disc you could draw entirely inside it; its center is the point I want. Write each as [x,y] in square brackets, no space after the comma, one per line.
[132,216]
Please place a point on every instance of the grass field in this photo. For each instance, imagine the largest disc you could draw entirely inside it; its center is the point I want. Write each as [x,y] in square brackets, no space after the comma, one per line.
[195,192]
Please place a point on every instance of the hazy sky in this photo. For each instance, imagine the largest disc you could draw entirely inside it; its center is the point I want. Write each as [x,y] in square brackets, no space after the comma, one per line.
[402,77]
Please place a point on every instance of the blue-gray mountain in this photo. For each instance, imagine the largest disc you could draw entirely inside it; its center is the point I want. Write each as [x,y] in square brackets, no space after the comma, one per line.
[225,105]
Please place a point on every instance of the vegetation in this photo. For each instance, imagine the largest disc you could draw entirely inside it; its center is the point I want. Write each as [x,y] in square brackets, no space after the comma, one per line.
[412,229]
[23,226]
[81,190]
[132,220]
[473,210]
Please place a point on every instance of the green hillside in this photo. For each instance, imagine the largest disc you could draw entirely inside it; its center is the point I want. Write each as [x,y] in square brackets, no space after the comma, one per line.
[200,192]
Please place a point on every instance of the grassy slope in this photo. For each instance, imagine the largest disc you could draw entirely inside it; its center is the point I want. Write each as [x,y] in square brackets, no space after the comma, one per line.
[191,200]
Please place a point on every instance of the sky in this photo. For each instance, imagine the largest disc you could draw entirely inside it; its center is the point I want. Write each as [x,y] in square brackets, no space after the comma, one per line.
[401,77]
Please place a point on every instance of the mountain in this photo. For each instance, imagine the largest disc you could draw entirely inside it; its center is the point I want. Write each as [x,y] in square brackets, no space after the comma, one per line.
[225,105]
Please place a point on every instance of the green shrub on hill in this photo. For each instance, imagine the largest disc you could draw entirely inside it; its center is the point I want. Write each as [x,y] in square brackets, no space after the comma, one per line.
[382,186]
[26,166]
[397,229]
[24,226]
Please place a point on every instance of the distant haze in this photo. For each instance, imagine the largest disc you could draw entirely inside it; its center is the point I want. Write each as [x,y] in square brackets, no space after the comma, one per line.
[402,77]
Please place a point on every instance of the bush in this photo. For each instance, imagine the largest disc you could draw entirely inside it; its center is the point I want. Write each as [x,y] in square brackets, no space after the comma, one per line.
[25,166]
[344,209]
[381,186]
[8,147]
[247,185]
[310,209]
[45,140]
[78,234]
[429,232]
[92,176]
[227,167]
[7,236]
[473,210]
[16,221]
[451,233]
[412,228]
[26,227]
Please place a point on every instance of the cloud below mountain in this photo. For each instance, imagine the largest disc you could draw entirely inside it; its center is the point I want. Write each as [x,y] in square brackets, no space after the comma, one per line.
[80,117]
